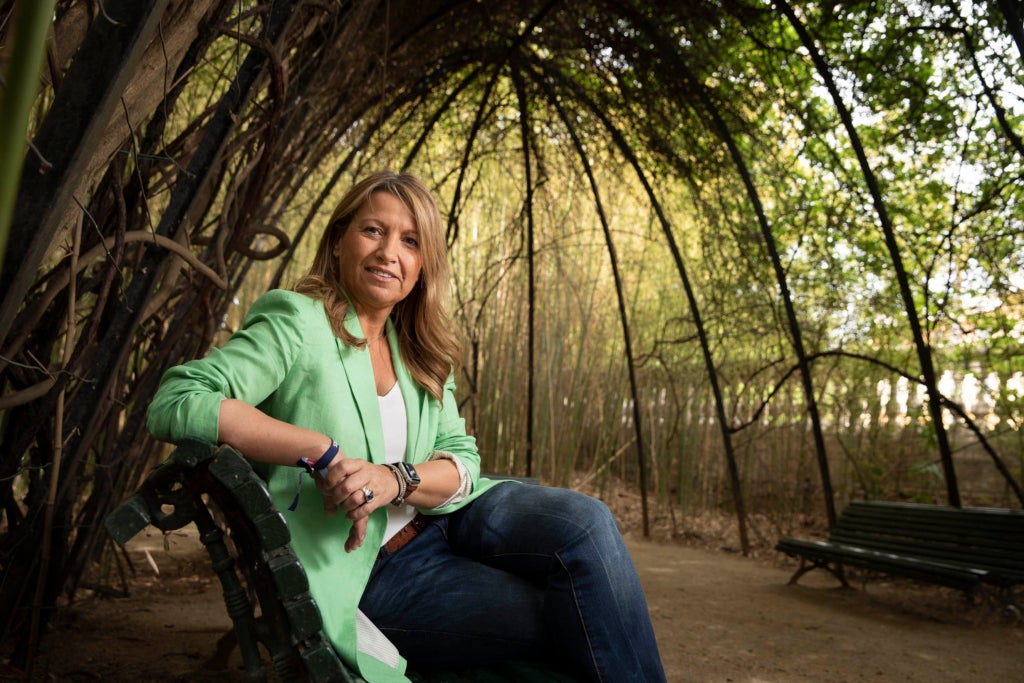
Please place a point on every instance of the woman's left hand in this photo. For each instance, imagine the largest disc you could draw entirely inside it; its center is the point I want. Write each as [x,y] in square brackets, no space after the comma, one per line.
[358,487]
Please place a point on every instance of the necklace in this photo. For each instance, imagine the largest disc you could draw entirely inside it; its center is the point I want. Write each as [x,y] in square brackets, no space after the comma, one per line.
[378,345]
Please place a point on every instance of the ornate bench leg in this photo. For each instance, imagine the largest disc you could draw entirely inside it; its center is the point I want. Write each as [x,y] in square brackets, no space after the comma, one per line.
[248,631]
[1002,599]
[840,573]
[836,569]
[235,598]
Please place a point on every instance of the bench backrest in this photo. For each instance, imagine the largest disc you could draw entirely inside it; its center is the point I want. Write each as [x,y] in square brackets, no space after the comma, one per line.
[988,538]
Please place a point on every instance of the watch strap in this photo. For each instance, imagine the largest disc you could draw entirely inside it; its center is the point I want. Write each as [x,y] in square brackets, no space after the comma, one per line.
[412,477]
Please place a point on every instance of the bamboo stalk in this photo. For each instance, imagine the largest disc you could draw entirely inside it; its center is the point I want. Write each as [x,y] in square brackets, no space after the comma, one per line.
[31,26]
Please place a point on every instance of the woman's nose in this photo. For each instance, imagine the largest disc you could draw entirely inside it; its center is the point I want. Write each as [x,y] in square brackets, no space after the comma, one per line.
[387,248]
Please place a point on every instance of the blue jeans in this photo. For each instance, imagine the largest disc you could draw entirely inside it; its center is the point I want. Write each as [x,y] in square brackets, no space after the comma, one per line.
[523,572]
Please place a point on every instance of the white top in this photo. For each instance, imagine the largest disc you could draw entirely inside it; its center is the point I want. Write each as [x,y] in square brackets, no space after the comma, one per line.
[396,434]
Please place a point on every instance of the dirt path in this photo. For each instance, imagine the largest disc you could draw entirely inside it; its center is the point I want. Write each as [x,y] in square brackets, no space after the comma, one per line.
[718,617]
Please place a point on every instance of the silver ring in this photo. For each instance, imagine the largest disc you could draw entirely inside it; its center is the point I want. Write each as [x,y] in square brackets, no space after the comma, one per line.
[368,492]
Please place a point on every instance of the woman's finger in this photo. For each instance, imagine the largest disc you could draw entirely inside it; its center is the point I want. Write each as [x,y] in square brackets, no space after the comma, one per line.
[356,535]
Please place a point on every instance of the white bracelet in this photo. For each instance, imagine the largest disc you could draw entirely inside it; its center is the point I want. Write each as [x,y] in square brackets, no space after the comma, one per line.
[465,481]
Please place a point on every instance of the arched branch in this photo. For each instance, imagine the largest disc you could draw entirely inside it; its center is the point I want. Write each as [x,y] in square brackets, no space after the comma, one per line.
[923,347]
[544,78]
[581,153]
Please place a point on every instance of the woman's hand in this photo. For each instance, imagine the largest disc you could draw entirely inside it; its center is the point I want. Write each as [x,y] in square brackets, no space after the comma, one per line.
[358,487]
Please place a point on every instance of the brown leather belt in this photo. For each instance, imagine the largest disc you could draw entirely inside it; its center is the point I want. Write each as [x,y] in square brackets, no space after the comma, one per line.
[407,533]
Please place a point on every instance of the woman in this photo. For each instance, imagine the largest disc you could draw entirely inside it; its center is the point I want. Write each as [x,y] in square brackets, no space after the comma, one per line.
[348,381]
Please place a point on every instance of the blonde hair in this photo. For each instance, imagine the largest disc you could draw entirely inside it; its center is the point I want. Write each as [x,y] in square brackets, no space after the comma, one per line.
[426,343]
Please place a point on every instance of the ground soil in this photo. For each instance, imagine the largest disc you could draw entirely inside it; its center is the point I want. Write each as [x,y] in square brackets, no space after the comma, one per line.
[719,617]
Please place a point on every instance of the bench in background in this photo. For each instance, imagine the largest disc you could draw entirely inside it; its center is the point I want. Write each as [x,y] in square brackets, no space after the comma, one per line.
[962,548]
[265,587]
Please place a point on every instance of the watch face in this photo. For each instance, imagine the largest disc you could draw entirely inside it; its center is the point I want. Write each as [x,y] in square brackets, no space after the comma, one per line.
[411,475]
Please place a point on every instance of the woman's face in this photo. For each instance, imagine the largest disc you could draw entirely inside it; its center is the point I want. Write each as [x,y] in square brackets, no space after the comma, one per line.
[379,259]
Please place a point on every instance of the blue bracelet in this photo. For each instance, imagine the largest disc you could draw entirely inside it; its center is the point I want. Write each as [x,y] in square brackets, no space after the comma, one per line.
[321,463]
[320,467]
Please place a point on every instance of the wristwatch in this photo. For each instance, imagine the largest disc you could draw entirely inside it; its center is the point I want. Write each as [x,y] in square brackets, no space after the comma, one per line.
[408,480]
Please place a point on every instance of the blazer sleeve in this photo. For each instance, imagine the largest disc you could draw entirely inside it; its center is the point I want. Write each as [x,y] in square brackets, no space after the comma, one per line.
[250,366]
[452,438]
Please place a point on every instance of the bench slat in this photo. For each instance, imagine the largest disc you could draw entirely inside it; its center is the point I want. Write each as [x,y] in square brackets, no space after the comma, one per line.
[915,568]
[936,543]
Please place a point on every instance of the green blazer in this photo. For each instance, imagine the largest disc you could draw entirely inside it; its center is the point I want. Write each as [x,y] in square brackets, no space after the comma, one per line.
[287,361]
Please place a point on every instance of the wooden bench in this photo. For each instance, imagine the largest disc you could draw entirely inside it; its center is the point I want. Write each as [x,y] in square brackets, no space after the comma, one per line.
[265,587]
[963,548]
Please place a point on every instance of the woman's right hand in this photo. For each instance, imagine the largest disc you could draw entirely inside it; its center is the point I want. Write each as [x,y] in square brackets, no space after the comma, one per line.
[344,487]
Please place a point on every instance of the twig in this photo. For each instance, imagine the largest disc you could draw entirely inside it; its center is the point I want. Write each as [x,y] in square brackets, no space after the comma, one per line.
[58,451]
[99,250]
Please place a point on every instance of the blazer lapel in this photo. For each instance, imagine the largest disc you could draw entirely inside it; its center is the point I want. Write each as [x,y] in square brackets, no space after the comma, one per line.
[414,398]
[359,372]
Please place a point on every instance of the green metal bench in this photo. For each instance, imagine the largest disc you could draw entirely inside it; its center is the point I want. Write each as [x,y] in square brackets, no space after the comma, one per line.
[265,587]
[962,548]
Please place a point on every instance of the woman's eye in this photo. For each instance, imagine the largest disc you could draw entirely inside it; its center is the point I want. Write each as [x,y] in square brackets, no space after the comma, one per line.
[412,241]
